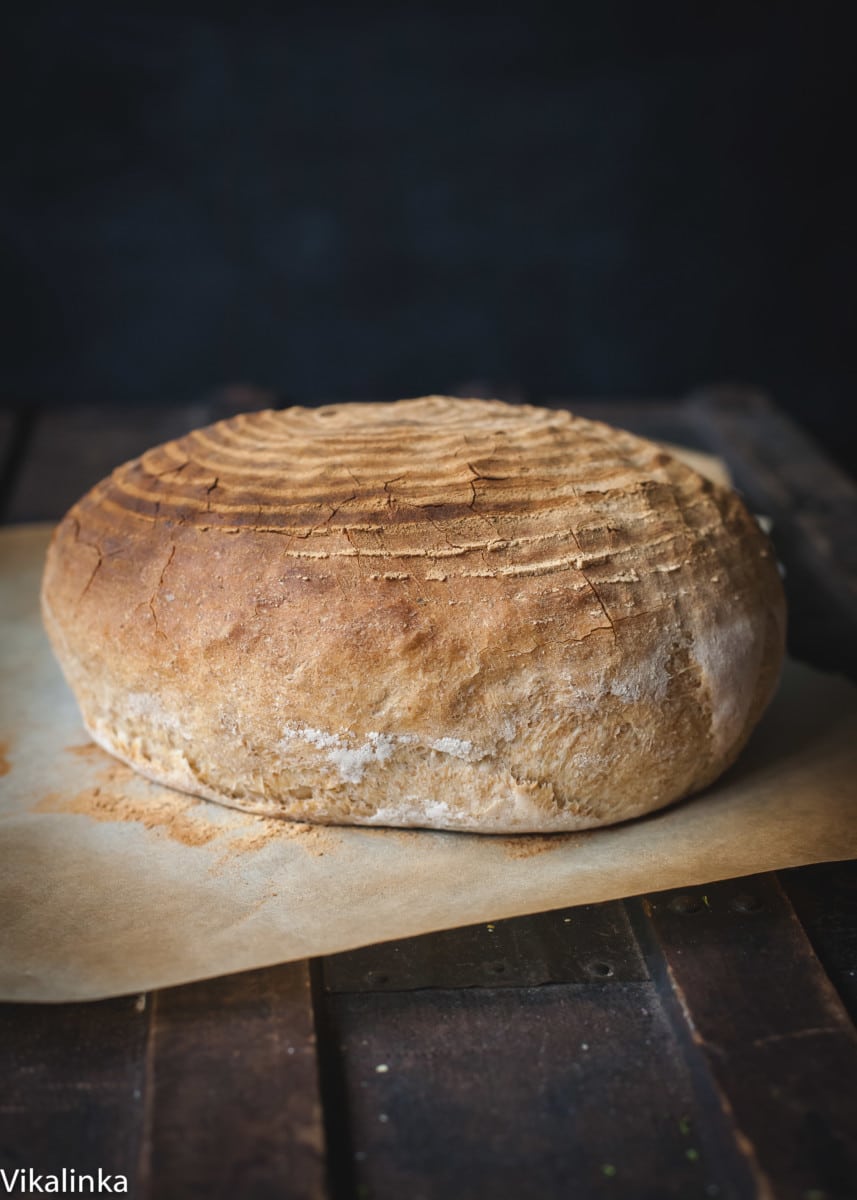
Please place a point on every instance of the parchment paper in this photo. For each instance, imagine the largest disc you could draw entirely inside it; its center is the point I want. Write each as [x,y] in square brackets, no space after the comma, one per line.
[111,884]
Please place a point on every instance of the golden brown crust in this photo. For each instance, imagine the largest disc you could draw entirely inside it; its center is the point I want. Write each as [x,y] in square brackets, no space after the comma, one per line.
[452,613]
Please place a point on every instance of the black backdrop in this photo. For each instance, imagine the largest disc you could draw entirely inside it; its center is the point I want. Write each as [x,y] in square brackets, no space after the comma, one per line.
[374,200]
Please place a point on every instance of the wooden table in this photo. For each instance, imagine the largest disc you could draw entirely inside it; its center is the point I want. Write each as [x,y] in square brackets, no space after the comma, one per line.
[693,1044]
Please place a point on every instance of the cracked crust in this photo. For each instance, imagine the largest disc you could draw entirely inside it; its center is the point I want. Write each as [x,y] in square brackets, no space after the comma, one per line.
[458,614]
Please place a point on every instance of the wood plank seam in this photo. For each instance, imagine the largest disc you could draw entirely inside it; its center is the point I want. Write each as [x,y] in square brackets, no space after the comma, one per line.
[824,898]
[769,1033]
[743,1167]
[150,1000]
[341,1183]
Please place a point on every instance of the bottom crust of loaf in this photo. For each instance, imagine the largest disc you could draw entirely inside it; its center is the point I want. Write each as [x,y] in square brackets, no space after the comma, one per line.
[485,798]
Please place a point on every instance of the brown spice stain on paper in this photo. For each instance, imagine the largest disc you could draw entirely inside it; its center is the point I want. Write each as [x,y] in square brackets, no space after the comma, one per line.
[107,801]
[112,798]
[530,844]
[5,765]
[185,819]
[316,839]
[404,835]
[87,750]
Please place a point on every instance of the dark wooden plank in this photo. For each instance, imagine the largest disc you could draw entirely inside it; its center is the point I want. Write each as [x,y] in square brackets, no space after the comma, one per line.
[574,945]
[72,1086]
[511,1094]
[825,899]
[769,1026]
[71,449]
[233,1105]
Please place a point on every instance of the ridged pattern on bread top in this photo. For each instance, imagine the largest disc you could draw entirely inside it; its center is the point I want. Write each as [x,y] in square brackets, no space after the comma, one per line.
[431,487]
[458,613]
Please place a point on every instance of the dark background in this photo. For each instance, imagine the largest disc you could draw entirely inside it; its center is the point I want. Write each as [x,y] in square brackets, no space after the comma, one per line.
[374,200]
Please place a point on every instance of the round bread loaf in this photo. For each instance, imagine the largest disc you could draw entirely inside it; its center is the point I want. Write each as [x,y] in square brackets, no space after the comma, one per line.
[459,614]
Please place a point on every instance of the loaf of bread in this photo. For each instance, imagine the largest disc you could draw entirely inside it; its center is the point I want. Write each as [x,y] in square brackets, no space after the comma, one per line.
[457,614]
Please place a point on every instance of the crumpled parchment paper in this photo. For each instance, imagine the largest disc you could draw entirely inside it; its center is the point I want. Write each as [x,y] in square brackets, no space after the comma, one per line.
[111,884]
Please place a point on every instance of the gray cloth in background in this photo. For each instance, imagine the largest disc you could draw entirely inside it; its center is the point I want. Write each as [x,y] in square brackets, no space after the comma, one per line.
[374,200]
